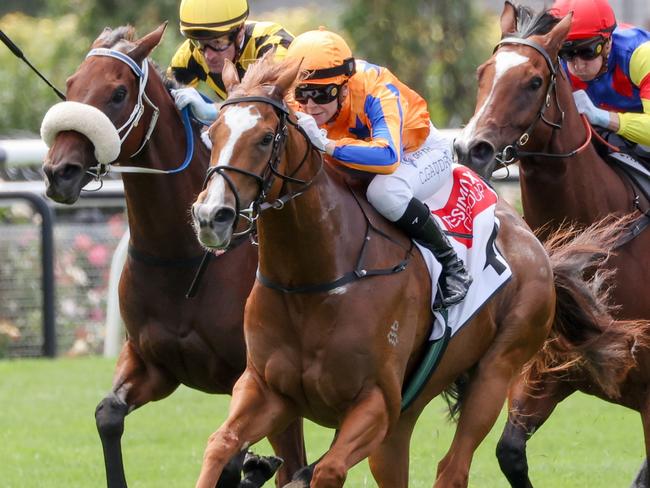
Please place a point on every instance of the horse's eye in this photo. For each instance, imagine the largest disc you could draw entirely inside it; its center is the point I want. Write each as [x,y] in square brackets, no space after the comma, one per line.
[535,83]
[118,95]
[268,139]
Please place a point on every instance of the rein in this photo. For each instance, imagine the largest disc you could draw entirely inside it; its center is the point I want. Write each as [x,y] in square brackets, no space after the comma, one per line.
[513,151]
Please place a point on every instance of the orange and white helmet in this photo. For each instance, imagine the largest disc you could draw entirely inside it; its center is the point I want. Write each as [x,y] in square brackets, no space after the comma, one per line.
[591,18]
[325,55]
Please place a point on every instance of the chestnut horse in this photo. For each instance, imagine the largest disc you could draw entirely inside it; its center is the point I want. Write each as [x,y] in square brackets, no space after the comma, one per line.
[171,340]
[332,340]
[524,96]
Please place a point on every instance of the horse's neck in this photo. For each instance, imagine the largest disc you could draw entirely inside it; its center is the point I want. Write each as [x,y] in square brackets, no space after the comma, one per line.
[158,205]
[315,238]
[582,188]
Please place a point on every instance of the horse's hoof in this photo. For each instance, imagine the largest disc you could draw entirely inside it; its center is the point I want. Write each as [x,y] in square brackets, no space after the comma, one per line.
[258,469]
[302,477]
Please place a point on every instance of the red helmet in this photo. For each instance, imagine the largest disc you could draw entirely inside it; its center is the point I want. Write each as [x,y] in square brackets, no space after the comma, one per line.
[591,18]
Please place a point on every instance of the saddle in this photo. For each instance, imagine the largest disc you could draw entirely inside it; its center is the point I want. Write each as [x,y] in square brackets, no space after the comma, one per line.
[632,159]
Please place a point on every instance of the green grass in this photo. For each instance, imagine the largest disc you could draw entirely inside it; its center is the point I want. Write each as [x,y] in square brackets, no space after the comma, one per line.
[48,436]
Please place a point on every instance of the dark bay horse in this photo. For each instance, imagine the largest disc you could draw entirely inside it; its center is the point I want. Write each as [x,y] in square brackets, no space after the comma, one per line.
[525,111]
[328,346]
[171,340]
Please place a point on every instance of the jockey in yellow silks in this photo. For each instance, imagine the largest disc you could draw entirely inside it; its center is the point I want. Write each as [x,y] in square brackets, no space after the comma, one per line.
[217,30]
[363,117]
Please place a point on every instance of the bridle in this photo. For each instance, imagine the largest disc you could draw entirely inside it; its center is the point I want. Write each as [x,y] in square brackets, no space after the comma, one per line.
[513,152]
[142,74]
[270,172]
[259,205]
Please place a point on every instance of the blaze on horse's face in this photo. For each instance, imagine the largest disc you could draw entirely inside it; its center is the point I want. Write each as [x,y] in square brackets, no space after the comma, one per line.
[512,87]
[242,138]
[110,86]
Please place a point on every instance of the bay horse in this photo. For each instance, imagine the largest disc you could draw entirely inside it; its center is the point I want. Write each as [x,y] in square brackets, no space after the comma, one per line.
[335,345]
[170,340]
[525,111]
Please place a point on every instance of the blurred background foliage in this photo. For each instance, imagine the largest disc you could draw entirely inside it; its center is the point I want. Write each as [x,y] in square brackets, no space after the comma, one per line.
[434,46]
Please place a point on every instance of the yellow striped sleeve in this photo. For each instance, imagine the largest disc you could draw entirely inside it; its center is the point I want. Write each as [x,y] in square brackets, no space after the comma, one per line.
[636,127]
[640,66]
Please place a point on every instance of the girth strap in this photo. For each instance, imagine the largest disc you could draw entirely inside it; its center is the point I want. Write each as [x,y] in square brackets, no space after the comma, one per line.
[427,366]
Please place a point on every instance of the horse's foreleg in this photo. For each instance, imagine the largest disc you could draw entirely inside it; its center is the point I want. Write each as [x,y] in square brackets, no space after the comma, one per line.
[302,478]
[135,383]
[290,446]
[528,410]
[389,463]
[255,412]
[363,428]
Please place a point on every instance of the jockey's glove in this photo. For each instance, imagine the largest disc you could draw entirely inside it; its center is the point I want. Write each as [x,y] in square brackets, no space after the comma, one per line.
[317,136]
[202,110]
[595,115]
[205,138]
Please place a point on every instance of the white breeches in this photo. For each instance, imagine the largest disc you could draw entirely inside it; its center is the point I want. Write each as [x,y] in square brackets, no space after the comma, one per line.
[420,174]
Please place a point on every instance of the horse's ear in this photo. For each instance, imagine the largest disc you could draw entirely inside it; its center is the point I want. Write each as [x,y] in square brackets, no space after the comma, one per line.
[229,75]
[288,76]
[508,19]
[554,39]
[147,44]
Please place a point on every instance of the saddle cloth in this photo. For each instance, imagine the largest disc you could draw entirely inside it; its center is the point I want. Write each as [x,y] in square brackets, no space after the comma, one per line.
[465,208]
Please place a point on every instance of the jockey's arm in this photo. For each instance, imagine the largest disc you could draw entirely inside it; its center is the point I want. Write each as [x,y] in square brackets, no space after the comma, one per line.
[636,126]
[381,153]
[184,66]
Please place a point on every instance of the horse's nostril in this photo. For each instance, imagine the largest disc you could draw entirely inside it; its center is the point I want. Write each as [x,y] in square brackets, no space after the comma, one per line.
[224,216]
[69,172]
[482,152]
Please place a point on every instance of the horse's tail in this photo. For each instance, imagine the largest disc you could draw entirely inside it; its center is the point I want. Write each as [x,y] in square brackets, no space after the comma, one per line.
[585,341]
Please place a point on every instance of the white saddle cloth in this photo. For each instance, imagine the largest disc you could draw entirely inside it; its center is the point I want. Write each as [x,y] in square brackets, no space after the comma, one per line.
[465,208]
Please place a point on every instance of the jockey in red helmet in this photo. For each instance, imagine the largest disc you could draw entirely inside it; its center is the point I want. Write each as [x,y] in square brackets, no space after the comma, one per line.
[609,68]
[365,118]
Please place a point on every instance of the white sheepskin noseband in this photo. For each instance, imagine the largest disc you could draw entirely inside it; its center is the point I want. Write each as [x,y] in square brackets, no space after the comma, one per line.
[87,120]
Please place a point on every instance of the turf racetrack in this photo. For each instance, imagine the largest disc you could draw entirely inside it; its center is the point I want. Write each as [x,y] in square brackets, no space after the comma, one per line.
[48,436]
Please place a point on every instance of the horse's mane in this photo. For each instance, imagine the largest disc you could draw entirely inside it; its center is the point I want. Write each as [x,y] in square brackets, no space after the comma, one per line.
[264,72]
[120,38]
[530,23]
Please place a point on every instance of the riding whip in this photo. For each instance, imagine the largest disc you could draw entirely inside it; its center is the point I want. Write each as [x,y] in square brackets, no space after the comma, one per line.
[19,54]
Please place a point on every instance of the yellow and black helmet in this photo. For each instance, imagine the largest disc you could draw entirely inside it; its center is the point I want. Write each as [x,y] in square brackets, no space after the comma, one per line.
[205,19]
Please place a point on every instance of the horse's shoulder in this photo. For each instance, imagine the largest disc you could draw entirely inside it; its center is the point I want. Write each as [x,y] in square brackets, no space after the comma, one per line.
[356,183]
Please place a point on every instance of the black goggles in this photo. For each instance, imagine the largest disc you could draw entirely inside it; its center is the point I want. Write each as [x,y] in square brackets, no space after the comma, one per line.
[585,50]
[218,44]
[320,94]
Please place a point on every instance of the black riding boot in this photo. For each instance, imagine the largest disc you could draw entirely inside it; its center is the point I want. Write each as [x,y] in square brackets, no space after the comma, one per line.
[418,224]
